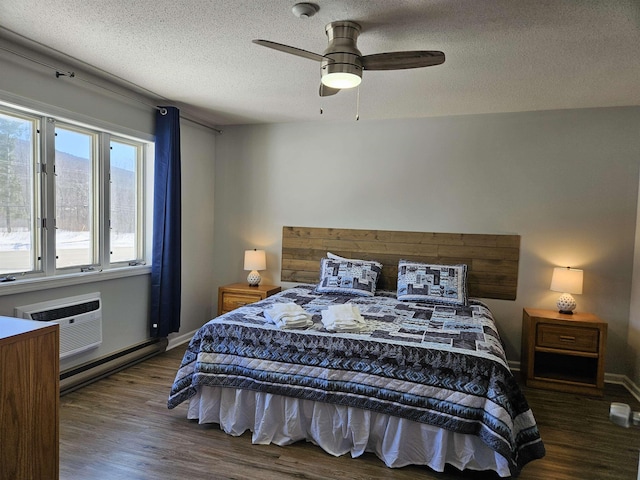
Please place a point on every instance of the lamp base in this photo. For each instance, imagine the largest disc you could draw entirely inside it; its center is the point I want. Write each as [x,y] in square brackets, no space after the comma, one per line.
[254,278]
[566,304]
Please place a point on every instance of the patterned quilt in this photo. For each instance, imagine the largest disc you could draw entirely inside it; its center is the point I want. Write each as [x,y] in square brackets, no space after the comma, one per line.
[434,363]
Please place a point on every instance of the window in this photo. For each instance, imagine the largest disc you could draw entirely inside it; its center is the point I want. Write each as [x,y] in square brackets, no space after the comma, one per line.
[125,213]
[18,200]
[71,196]
[74,185]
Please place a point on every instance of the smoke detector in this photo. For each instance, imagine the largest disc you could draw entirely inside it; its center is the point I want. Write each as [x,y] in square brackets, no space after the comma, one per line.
[305,10]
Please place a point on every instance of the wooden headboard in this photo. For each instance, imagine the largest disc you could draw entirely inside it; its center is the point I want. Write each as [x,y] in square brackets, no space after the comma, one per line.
[492,260]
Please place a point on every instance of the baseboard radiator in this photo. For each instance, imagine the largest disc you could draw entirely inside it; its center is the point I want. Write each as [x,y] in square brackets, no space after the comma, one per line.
[82,375]
[80,320]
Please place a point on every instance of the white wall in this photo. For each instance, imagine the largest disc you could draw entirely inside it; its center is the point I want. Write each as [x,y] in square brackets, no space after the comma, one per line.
[634,310]
[126,300]
[79,97]
[566,181]
[197,169]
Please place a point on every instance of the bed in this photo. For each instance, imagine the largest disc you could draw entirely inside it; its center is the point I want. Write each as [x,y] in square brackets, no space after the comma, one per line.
[423,379]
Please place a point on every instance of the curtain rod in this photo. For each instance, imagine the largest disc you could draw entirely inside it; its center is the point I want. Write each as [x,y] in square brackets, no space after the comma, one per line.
[59,73]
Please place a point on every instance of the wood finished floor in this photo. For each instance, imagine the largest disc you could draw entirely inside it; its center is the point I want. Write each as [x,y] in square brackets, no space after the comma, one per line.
[120,429]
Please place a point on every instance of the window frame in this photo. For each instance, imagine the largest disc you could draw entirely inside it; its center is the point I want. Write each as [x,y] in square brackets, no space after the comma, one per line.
[35,184]
[43,195]
[96,199]
[140,231]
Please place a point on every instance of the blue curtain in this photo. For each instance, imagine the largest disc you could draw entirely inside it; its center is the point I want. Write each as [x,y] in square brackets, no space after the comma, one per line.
[166,261]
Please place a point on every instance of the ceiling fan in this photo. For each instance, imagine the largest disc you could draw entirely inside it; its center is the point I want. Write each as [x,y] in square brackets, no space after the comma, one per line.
[342,63]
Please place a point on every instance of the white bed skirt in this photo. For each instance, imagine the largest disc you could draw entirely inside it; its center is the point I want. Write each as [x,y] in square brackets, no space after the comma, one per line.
[339,430]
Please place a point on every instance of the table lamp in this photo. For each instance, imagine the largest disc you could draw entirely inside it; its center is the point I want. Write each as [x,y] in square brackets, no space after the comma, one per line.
[566,280]
[254,260]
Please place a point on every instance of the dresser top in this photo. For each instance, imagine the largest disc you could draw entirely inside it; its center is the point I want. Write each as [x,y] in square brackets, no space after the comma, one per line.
[10,326]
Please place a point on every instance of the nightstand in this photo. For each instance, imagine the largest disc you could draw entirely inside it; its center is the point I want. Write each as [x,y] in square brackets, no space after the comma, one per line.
[237,295]
[563,352]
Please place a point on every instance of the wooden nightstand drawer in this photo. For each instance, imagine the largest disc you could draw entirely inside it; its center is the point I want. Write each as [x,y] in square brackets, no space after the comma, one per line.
[574,338]
[238,295]
[231,301]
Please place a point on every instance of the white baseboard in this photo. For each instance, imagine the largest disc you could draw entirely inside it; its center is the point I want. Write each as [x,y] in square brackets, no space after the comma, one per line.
[633,388]
[625,381]
[177,340]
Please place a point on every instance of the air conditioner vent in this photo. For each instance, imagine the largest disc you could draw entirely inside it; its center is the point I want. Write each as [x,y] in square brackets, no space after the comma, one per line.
[64,312]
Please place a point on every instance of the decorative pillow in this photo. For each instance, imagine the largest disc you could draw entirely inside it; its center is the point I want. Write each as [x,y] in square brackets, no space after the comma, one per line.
[423,282]
[354,277]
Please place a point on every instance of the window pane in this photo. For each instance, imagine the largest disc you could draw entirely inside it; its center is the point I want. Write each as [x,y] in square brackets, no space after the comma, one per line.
[74,198]
[17,232]
[124,201]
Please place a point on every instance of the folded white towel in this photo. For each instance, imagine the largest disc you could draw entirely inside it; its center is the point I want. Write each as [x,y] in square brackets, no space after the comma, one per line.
[286,307]
[279,310]
[288,315]
[343,318]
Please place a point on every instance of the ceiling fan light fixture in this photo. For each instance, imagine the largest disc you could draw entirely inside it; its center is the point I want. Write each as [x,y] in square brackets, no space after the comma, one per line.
[342,62]
[342,75]
[341,80]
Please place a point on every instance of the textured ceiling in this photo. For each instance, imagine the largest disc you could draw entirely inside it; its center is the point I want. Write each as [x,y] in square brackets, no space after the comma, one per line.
[502,55]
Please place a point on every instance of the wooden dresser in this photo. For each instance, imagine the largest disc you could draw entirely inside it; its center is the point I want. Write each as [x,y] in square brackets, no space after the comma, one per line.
[237,295]
[29,399]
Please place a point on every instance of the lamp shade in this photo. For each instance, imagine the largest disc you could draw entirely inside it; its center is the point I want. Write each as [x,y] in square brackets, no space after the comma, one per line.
[567,280]
[255,260]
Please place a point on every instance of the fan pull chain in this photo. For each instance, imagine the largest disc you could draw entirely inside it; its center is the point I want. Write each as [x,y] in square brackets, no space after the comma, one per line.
[358,103]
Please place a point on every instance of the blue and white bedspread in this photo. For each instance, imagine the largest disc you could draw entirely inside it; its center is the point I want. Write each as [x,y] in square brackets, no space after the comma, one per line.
[442,365]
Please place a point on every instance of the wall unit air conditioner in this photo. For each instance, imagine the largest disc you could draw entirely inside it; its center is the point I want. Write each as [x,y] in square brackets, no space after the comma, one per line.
[79,317]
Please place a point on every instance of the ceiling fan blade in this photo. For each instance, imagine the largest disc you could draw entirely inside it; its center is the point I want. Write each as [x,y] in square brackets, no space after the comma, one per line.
[287,49]
[327,91]
[402,60]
